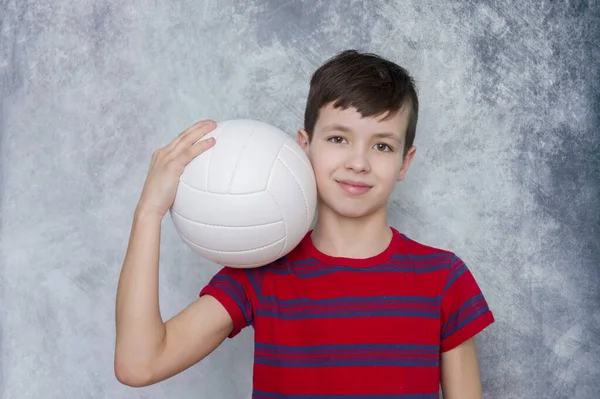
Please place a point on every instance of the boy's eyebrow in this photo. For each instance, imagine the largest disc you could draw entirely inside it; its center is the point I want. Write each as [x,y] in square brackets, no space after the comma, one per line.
[341,128]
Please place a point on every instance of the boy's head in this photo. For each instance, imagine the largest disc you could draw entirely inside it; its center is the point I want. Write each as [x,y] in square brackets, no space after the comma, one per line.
[367,82]
[359,127]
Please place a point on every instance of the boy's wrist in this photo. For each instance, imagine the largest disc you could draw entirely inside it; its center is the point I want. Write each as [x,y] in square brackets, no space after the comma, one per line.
[146,214]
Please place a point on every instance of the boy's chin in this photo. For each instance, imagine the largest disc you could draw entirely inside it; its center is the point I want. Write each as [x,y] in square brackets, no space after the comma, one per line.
[352,211]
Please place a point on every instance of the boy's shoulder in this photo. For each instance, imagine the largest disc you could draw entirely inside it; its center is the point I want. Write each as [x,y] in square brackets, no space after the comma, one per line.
[411,246]
[432,261]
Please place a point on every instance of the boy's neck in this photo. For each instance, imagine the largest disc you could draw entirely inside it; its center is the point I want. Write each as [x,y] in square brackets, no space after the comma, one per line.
[358,238]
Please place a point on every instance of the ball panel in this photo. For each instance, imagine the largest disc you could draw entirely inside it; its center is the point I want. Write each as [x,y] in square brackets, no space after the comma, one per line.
[299,164]
[285,188]
[219,238]
[256,160]
[224,155]
[241,259]
[226,209]
[195,173]
[294,147]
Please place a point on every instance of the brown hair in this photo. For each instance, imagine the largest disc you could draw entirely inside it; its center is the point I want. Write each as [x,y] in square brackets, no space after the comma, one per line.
[367,82]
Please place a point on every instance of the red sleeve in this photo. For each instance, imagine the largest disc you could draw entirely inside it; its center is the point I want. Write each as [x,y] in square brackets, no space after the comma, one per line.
[465,312]
[232,288]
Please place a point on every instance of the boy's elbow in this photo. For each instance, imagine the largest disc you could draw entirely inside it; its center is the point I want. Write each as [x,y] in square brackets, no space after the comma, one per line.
[130,375]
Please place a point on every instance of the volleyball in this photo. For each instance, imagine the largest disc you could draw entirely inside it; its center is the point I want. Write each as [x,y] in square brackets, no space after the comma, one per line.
[248,200]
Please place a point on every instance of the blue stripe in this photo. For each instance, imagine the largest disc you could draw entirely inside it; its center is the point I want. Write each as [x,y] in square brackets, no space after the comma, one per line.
[254,279]
[442,258]
[455,272]
[364,362]
[235,291]
[458,320]
[347,355]
[304,308]
[475,315]
[463,308]
[256,394]
[399,263]
[371,300]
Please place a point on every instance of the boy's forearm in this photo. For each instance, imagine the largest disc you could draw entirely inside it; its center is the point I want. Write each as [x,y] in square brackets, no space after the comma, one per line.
[140,328]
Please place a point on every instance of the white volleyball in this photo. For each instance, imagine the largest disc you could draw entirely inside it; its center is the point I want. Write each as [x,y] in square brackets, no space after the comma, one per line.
[248,200]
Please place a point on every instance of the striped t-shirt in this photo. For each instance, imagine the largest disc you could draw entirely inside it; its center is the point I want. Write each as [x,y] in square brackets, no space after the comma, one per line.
[330,327]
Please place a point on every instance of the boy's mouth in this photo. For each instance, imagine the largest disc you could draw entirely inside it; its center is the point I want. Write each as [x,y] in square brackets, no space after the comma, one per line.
[353,187]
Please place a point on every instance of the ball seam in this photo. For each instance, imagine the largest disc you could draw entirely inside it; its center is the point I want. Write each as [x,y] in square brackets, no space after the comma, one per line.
[237,161]
[218,225]
[232,252]
[300,187]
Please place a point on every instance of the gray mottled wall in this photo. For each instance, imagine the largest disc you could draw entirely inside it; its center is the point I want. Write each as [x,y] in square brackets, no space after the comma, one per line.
[506,173]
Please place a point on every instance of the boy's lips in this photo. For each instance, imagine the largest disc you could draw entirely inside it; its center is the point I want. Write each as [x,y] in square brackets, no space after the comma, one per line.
[353,187]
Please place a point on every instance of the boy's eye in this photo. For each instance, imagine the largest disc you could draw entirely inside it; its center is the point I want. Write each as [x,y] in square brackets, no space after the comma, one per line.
[336,139]
[383,147]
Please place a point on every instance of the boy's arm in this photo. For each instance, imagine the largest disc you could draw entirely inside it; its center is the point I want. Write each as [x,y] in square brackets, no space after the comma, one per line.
[147,350]
[465,313]
[460,372]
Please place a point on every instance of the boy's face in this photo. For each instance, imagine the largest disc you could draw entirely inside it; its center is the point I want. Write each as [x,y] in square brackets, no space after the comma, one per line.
[357,161]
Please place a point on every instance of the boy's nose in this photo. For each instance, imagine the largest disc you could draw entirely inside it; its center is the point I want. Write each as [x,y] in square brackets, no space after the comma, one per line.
[358,162]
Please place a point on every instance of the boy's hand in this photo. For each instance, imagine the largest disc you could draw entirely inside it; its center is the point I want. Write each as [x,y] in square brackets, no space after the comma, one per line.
[167,165]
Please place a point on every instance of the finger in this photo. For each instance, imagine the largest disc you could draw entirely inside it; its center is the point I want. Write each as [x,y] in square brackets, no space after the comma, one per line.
[190,130]
[200,146]
[192,152]
[191,138]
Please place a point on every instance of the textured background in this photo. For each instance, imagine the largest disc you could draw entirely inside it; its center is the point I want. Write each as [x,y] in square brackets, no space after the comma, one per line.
[506,173]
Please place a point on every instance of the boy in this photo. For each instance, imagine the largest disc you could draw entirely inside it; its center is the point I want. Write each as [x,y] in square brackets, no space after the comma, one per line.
[358,309]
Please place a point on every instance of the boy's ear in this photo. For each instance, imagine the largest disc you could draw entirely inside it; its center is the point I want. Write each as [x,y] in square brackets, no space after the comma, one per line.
[406,162]
[303,140]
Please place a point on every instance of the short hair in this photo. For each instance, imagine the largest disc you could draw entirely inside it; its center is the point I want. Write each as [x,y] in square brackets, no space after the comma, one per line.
[366,81]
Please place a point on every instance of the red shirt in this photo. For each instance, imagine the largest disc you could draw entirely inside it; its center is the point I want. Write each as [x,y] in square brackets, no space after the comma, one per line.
[328,327]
